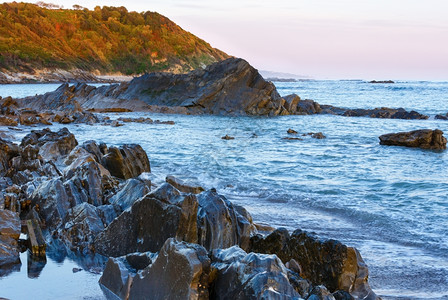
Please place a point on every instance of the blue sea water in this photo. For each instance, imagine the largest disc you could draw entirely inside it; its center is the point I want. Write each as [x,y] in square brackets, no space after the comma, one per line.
[389,202]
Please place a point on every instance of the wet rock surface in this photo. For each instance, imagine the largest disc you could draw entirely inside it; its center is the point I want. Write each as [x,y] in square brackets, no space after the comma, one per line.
[176,241]
[423,138]
[323,262]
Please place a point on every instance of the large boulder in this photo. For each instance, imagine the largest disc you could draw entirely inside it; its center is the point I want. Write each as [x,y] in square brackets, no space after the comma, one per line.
[229,87]
[181,271]
[423,138]
[127,161]
[220,224]
[326,262]
[250,276]
[150,221]
[52,145]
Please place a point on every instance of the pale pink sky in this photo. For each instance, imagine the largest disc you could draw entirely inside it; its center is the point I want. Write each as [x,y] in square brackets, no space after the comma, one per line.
[366,39]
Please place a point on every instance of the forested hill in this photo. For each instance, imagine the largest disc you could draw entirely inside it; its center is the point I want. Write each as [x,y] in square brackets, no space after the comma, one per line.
[107,39]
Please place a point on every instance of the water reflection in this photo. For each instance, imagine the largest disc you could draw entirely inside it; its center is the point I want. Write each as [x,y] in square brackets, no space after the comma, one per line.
[35,265]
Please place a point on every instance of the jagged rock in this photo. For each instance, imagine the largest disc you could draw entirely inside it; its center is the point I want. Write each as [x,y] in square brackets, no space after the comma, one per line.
[229,87]
[53,145]
[10,227]
[181,271]
[127,161]
[52,201]
[81,225]
[132,190]
[423,138]
[7,121]
[291,102]
[89,182]
[150,221]
[219,223]
[93,148]
[308,107]
[181,186]
[328,262]
[116,278]
[250,276]
[9,224]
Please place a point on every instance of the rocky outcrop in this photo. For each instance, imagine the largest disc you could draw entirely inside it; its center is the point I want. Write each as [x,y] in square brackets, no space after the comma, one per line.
[52,145]
[326,262]
[127,161]
[230,87]
[423,138]
[150,221]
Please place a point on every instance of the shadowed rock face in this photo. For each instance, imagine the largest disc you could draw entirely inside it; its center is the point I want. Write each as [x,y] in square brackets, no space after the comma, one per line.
[424,138]
[230,87]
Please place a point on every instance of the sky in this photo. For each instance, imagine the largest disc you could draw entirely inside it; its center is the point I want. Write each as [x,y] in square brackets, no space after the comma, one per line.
[322,39]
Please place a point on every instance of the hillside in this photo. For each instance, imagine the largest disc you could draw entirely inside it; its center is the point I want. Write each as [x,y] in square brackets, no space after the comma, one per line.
[102,41]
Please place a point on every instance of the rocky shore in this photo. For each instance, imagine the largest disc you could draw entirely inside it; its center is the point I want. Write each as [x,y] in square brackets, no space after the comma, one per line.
[94,199]
[229,87]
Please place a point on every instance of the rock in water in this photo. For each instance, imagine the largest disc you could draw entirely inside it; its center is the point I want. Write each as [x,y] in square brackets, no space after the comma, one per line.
[329,262]
[181,271]
[423,138]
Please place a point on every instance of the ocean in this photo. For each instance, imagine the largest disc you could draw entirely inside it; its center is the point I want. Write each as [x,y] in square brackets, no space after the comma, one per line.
[389,202]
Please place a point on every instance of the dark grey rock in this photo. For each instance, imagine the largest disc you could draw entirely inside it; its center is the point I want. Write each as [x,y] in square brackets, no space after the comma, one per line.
[219,223]
[181,271]
[150,222]
[323,262]
[132,190]
[250,276]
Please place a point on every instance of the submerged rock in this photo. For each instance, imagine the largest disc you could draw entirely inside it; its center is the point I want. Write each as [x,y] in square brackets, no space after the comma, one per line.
[423,138]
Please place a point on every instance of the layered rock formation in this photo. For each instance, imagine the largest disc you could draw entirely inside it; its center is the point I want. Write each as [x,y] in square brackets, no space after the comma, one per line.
[177,241]
[423,138]
[230,87]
